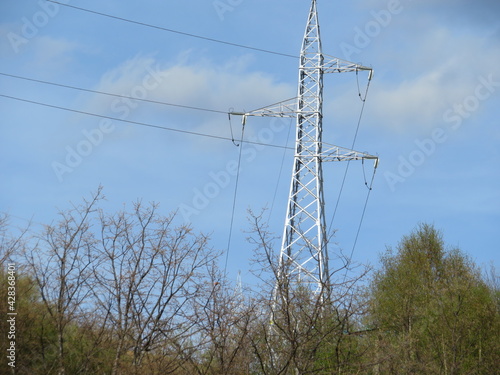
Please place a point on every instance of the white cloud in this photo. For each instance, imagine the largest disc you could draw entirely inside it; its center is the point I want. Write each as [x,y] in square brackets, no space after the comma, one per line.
[434,71]
[42,53]
[202,84]
[7,46]
[206,84]
[53,53]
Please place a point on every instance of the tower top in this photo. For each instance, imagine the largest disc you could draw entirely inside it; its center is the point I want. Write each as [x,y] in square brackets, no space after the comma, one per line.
[311,43]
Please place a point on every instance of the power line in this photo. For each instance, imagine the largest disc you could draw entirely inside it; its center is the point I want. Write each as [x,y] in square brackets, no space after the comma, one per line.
[349,259]
[175,31]
[363,100]
[139,123]
[235,195]
[111,94]
[370,188]
[280,171]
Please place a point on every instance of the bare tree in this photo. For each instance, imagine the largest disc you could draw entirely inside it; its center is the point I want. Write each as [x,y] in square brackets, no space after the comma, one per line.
[10,245]
[223,315]
[61,264]
[301,331]
[148,271]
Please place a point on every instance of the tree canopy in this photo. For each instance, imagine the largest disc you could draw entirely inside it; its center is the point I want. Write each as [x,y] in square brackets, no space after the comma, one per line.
[132,292]
[432,309]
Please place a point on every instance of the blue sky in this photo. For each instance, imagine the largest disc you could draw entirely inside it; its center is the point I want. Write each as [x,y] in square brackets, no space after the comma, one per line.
[431,114]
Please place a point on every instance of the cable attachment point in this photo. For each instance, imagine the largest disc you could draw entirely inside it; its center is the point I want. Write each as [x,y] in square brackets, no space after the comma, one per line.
[359,90]
[231,127]
[369,187]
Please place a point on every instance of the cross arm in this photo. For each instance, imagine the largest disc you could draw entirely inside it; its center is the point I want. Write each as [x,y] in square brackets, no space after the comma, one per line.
[285,108]
[335,65]
[337,153]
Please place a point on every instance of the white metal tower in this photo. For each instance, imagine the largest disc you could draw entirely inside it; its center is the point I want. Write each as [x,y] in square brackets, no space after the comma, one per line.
[304,255]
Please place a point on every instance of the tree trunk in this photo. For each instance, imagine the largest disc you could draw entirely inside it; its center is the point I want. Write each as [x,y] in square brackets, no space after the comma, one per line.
[60,341]
[116,361]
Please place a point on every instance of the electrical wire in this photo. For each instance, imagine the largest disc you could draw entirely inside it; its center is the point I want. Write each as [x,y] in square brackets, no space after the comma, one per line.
[111,94]
[190,107]
[370,188]
[174,31]
[231,127]
[349,259]
[359,90]
[188,132]
[280,172]
[233,211]
[363,100]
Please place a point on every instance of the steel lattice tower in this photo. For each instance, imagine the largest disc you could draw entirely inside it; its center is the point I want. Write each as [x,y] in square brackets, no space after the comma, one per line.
[304,256]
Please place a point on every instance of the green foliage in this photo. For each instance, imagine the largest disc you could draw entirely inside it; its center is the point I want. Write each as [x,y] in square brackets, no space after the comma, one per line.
[428,310]
[34,334]
[433,311]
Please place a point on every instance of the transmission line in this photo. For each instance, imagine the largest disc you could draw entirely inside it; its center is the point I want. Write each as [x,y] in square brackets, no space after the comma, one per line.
[189,132]
[235,195]
[175,31]
[111,94]
[363,101]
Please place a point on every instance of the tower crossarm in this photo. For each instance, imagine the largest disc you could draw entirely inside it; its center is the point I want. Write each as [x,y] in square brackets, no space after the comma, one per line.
[285,108]
[288,107]
[336,153]
[335,65]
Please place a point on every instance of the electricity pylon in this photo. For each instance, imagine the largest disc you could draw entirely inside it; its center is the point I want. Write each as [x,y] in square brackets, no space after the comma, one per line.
[304,256]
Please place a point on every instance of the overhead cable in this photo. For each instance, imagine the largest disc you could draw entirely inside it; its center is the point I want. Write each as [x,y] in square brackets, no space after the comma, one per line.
[140,123]
[111,94]
[363,101]
[235,195]
[175,31]
[349,259]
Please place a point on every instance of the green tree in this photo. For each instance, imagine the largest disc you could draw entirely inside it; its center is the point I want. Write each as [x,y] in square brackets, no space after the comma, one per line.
[433,312]
[33,332]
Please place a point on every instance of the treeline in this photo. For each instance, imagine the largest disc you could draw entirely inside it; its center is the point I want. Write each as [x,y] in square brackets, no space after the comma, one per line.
[134,293]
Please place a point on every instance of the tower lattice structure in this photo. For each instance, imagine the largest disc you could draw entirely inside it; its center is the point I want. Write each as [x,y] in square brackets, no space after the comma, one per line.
[304,256]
